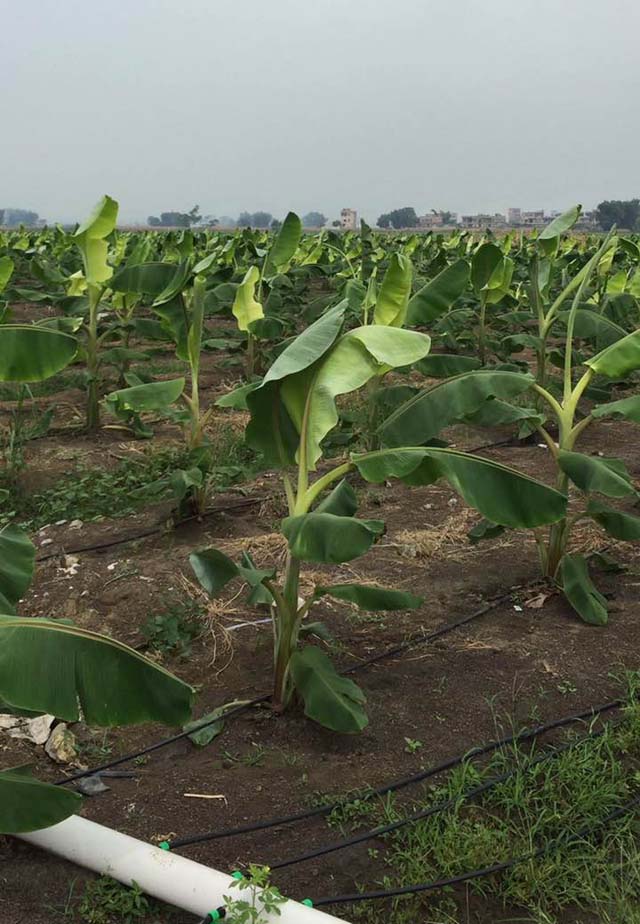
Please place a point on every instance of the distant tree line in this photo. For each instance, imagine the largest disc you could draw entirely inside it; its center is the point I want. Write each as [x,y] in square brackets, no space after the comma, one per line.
[624,213]
[12,218]
[399,218]
[176,219]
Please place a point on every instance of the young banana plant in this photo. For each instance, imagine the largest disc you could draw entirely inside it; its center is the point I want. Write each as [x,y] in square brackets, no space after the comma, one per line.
[485,397]
[491,274]
[248,308]
[91,240]
[291,412]
[188,486]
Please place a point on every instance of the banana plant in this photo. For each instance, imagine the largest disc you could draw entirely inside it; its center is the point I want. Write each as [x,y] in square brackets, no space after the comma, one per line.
[188,486]
[48,667]
[292,411]
[486,397]
[248,308]
[491,274]
[7,267]
[91,240]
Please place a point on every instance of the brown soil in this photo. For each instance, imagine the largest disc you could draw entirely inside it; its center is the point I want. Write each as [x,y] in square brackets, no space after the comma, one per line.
[516,664]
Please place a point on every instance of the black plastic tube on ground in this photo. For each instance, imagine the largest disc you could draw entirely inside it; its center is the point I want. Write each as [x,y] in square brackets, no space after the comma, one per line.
[382,830]
[564,840]
[527,735]
[420,639]
[162,743]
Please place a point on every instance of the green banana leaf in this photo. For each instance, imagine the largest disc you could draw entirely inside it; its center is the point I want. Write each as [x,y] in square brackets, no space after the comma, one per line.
[627,408]
[593,474]
[580,591]
[445,366]
[285,244]
[329,699]
[619,359]
[70,672]
[393,296]
[330,539]
[430,411]
[499,493]
[245,308]
[368,597]
[90,238]
[31,353]
[152,396]
[270,428]
[484,263]
[341,501]
[438,295]
[143,278]
[356,357]
[26,804]
[214,570]
[618,524]
[6,271]
[17,563]
[561,224]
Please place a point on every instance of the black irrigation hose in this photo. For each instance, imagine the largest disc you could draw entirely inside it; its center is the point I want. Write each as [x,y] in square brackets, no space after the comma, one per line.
[408,643]
[158,528]
[422,638]
[161,744]
[487,870]
[396,785]
[433,809]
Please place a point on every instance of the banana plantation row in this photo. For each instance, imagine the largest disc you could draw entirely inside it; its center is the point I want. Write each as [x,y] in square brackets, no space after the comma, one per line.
[538,333]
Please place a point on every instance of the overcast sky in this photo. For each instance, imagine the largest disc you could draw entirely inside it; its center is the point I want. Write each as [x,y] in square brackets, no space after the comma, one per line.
[468,105]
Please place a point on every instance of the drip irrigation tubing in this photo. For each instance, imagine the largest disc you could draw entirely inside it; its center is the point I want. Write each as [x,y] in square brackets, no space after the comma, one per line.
[557,843]
[396,785]
[444,806]
[162,743]
[152,531]
[390,652]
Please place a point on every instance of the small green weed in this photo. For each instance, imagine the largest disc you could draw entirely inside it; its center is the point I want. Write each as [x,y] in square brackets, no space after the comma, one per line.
[253,758]
[106,901]
[263,898]
[412,745]
[174,629]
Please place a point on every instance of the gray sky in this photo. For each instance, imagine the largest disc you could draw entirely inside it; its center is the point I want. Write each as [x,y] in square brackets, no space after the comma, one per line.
[470,105]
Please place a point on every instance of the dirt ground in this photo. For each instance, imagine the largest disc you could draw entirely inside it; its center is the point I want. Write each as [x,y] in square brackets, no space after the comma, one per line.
[527,659]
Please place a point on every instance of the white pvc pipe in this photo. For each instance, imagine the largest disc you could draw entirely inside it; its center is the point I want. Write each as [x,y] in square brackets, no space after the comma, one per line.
[160,873]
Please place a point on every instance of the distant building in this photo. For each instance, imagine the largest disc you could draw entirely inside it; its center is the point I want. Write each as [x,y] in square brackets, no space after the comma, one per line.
[588,221]
[534,219]
[517,218]
[348,219]
[484,220]
[437,220]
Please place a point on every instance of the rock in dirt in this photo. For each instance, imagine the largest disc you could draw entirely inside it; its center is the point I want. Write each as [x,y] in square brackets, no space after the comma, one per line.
[61,745]
[91,785]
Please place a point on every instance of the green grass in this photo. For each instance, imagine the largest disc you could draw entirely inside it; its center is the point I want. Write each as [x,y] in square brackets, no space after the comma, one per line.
[539,805]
